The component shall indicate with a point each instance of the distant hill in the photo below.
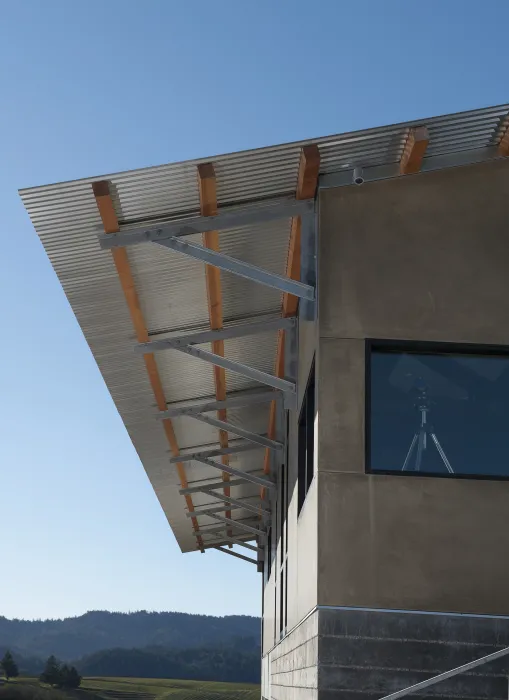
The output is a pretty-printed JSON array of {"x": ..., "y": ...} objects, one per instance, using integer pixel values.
[
  {"x": 77, "y": 637},
  {"x": 218, "y": 664}
]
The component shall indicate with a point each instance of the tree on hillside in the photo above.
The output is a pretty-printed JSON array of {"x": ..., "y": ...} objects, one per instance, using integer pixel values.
[
  {"x": 69, "y": 677},
  {"x": 51, "y": 673},
  {"x": 9, "y": 666}
]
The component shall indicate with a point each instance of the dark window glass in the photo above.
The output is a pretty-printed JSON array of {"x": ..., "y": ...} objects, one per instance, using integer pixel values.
[
  {"x": 269, "y": 552},
  {"x": 439, "y": 410},
  {"x": 281, "y": 602},
  {"x": 306, "y": 439}
]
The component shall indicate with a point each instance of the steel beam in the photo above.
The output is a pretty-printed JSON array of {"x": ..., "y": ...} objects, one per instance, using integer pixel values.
[
  {"x": 246, "y": 215},
  {"x": 239, "y": 368},
  {"x": 216, "y": 485},
  {"x": 242, "y": 526},
  {"x": 236, "y": 430},
  {"x": 247, "y": 476},
  {"x": 206, "y": 511},
  {"x": 239, "y": 331},
  {"x": 234, "y": 540},
  {"x": 240, "y": 268},
  {"x": 222, "y": 528},
  {"x": 448, "y": 674},
  {"x": 221, "y": 507},
  {"x": 188, "y": 457},
  {"x": 258, "y": 508},
  {"x": 231, "y": 402},
  {"x": 236, "y": 554}
]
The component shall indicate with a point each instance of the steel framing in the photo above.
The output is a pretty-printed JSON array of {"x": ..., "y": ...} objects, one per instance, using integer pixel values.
[
  {"x": 239, "y": 368},
  {"x": 234, "y": 540},
  {"x": 247, "y": 476},
  {"x": 171, "y": 234},
  {"x": 246, "y": 399},
  {"x": 207, "y": 510},
  {"x": 218, "y": 452},
  {"x": 259, "y": 508},
  {"x": 245, "y": 215},
  {"x": 240, "y": 268},
  {"x": 233, "y": 504},
  {"x": 216, "y": 485},
  {"x": 238, "y": 523},
  {"x": 239, "y": 331},
  {"x": 237, "y": 430},
  {"x": 236, "y": 554},
  {"x": 201, "y": 532}
]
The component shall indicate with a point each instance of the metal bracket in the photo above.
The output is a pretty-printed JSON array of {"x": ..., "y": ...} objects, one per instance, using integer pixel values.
[
  {"x": 259, "y": 508},
  {"x": 190, "y": 456},
  {"x": 240, "y": 268},
  {"x": 245, "y": 215},
  {"x": 234, "y": 401},
  {"x": 242, "y": 526},
  {"x": 215, "y": 485},
  {"x": 236, "y": 554},
  {"x": 239, "y": 368},
  {"x": 239, "y": 331},
  {"x": 223, "y": 528},
  {"x": 234, "y": 540},
  {"x": 236, "y": 430},
  {"x": 233, "y": 505},
  {"x": 247, "y": 476}
]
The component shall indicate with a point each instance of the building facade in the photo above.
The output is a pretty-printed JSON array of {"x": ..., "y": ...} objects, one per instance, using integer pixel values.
[
  {"x": 308, "y": 347},
  {"x": 389, "y": 564}
]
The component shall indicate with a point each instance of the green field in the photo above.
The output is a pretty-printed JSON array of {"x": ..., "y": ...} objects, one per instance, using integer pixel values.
[
  {"x": 157, "y": 689},
  {"x": 149, "y": 689}
]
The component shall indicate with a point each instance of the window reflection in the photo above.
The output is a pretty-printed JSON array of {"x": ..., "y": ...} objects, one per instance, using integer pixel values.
[{"x": 439, "y": 412}]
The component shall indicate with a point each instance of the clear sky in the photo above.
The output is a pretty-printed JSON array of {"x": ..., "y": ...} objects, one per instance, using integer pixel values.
[{"x": 104, "y": 85}]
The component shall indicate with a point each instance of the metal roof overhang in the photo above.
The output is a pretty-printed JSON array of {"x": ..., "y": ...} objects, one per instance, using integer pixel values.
[{"x": 191, "y": 436}]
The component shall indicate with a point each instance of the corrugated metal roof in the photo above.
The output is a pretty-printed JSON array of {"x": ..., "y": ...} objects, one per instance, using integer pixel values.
[{"x": 172, "y": 288}]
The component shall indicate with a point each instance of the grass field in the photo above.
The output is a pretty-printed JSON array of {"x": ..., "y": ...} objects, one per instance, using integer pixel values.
[{"x": 156, "y": 689}]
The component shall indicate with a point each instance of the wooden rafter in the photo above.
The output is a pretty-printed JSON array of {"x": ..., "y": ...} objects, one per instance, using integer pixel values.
[
  {"x": 503, "y": 144},
  {"x": 208, "y": 207},
  {"x": 110, "y": 222},
  {"x": 414, "y": 150},
  {"x": 307, "y": 183}
]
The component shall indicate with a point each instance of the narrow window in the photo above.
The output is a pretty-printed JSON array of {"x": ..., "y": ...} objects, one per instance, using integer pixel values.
[{"x": 306, "y": 440}]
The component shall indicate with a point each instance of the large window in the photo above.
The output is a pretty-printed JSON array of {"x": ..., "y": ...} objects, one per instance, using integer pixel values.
[
  {"x": 306, "y": 439},
  {"x": 438, "y": 409}
]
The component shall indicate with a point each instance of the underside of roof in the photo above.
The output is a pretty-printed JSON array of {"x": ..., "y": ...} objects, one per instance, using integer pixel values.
[{"x": 148, "y": 292}]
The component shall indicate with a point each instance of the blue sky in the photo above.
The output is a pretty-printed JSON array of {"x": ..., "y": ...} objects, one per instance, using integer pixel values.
[{"x": 95, "y": 87}]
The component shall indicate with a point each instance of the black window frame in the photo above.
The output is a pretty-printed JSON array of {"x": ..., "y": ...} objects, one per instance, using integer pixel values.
[
  {"x": 306, "y": 435},
  {"x": 421, "y": 347},
  {"x": 283, "y": 505}
]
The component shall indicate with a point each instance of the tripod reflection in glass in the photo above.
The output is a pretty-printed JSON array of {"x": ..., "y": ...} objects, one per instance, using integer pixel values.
[{"x": 420, "y": 438}]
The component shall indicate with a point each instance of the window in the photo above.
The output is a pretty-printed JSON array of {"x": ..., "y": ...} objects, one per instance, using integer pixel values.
[
  {"x": 438, "y": 409},
  {"x": 283, "y": 533},
  {"x": 306, "y": 440}
]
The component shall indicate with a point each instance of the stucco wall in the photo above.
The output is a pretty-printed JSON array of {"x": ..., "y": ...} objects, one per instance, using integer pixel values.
[{"x": 427, "y": 258}]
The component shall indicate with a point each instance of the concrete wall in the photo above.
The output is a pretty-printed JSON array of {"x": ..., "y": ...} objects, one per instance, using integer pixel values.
[
  {"x": 427, "y": 258},
  {"x": 302, "y": 529},
  {"x": 293, "y": 665},
  {"x": 364, "y": 655}
]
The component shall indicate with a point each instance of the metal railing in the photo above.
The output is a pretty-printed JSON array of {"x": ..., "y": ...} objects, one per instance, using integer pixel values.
[{"x": 448, "y": 674}]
